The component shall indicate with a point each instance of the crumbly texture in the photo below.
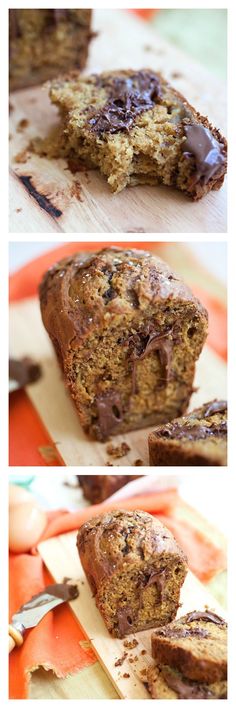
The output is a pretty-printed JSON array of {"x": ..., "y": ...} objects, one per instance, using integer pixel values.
[
  {"x": 127, "y": 332},
  {"x": 196, "y": 645},
  {"x": 118, "y": 451},
  {"x": 98, "y": 487},
  {"x": 136, "y": 129},
  {"x": 135, "y": 570},
  {"x": 45, "y": 42},
  {"x": 167, "y": 683},
  {"x": 199, "y": 438}
]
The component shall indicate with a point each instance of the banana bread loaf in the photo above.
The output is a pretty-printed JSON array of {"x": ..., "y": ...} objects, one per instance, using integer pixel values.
[
  {"x": 98, "y": 487},
  {"x": 199, "y": 438},
  {"x": 167, "y": 683},
  {"x": 127, "y": 333},
  {"x": 45, "y": 42},
  {"x": 136, "y": 129},
  {"x": 195, "y": 644},
  {"x": 135, "y": 570}
]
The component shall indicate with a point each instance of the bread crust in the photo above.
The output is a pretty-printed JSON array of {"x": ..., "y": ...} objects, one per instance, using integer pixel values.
[
  {"x": 122, "y": 544},
  {"x": 135, "y": 295},
  {"x": 197, "y": 648}
]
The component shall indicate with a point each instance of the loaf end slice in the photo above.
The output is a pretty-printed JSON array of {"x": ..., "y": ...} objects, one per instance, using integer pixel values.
[
  {"x": 199, "y": 438},
  {"x": 195, "y": 644},
  {"x": 135, "y": 570},
  {"x": 167, "y": 683}
]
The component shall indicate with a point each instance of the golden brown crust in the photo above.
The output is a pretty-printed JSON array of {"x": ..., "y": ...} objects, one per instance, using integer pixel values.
[
  {"x": 108, "y": 316},
  {"x": 134, "y": 567}
]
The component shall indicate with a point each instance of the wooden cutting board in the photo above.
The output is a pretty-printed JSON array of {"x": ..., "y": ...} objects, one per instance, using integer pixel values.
[
  {"x": 61, "y": 202},
  {"x": 54, "y": 404},
  {"x": 62, "y": 560}
]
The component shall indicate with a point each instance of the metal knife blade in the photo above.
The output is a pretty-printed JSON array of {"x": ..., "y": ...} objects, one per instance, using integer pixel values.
[{"x": 33, "y": 611}]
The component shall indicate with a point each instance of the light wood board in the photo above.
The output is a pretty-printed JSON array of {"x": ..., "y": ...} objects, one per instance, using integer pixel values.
[
  {"x": 55, "y": 406},
  {"x": 123, "y": 41},
  {"x": 61, "y": 558}
]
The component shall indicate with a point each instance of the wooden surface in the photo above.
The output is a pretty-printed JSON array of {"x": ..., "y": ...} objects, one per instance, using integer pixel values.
[
  {"x": 61, "y": 558},
  {"x": 54, "y": 404},
  {"x": 123, "y": 41}
]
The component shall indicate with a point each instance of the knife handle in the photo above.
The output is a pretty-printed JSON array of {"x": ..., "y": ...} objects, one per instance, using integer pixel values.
[{"x": 15, "y": 638}]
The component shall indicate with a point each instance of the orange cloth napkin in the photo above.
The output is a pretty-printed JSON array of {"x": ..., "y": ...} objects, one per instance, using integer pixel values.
[{"x": 56, "y": 642}]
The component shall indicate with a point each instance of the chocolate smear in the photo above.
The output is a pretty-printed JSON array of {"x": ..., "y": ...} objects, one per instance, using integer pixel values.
[
  {"x": 125, "y": 620},
  {"x": 206, "y": 150},
  {"x": 176, "y": 431},
  {"x": 128, "y": 97},
  {"x": 110, "y": 412},
  {"x": 215, "y": 407},
  {"x": 205, "y": 617},
  {"x": 185, "y": 689},
  {"x": 64, "y": 591},
  {"x": 156, "y": 342},
  {"x": 24, "y": 371}
]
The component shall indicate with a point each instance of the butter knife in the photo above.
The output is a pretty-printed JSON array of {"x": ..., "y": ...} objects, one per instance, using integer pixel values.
[{"x": 33, "y": 611}]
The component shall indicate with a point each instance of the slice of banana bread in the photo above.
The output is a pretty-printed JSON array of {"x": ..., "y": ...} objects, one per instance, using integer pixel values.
[
  {"x": 199, "y": 438},
  {"x": 98, "y": 487},
  {"x": 136, "y": 129},
  {"x": 135, "y": 570},
  {"x": 167, "y": 683},
  {"x": 195, "y": 644},
  {"x": 127, "y": 333},
  {"x": 43, "y": 43}
]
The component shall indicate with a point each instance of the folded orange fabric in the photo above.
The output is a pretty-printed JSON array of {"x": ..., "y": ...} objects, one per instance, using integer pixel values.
[
  {"x": 204, "y": 558},
  {"x": 56, "y": 642}
]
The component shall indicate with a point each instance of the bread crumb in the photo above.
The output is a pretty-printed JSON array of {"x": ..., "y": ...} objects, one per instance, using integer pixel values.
[
  {"x": 143, "y": 652},
  {"x": 23, "y": 123},
  {"x": 121, "y": 660},
  {"x": 130, "y": 644},
  {"x": 109, "y": 464},
  {"x": 126, "y": 675},
  {"x": 117, "y": 451},
  {"x": 138, "y": 463},
  {"x": 76, "y": 191},
  {"x": 22, "y": 156}
]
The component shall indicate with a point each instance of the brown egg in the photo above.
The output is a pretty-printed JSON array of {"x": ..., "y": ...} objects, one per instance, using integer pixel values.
[
  {"x": 18, "y": 495},
  {"x": 26, "y": 524}
]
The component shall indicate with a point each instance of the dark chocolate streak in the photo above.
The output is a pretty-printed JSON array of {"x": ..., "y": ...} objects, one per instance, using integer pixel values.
[
  {"x": 215, "y": 407},
  {"x": 109, "y": 410},
  {"x": 43, "y": 202},
  {"x": 24, "y": 371},
  {"x": 192, "y": 432},
  {"x": 64, "y": 591},
  {"x": 207, "y": 152},
  {"x": 128, "y": 97},
  {"x": 186, "y": 689},
  {"x": 155, "y": 342},
  {"x": 204, "y": 617}
]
